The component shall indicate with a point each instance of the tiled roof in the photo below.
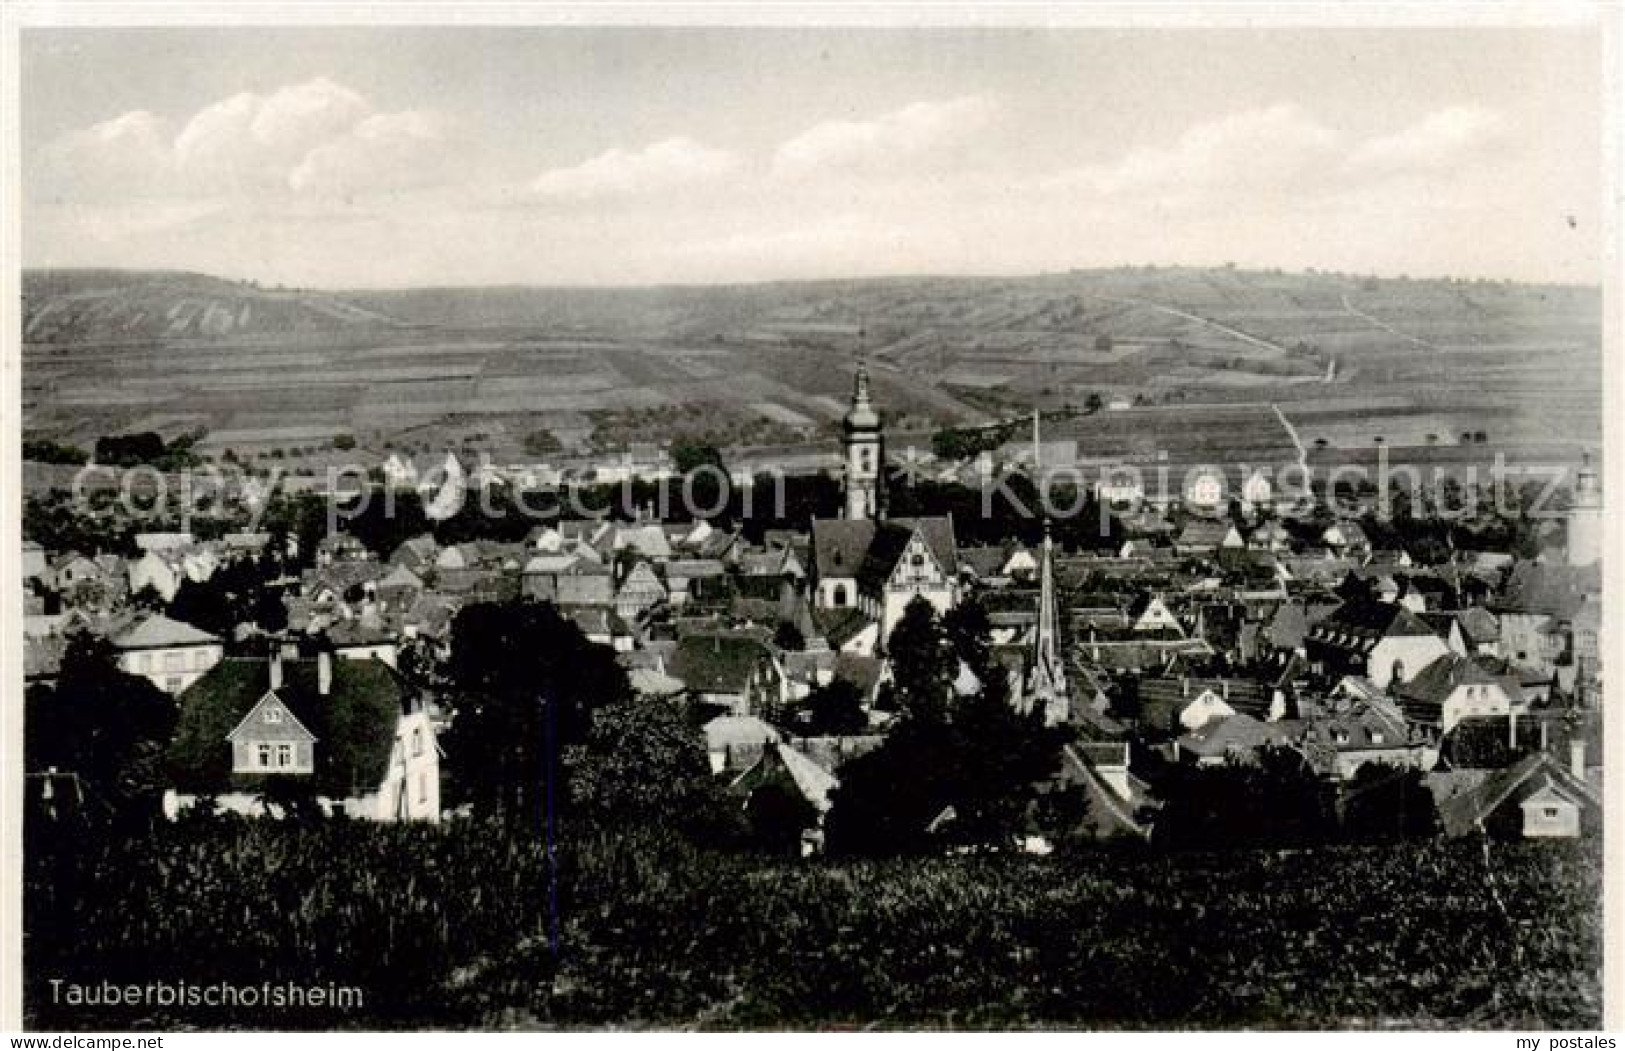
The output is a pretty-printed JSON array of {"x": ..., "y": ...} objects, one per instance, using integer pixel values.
[
  {"x": 717, "y": 663},
  {"x": 839, "y": 626},
  {"x": 400, "y": 577},
  {"x": 1161, "y": 698},
  {"x": 741, "y": 737},
  {"x": 356, "y": 633},
  {"x": 845, "y": 548},
  {"x": 1371, "y": 619},
  {"x": 862, "y": 672},
  {"x": 1479, "y": 625},
  {"x": 1237, "y": 734},
  {"x": 596, "y": 620},
  {"x": 833, "y": 752},
  {"x": 1555, "y": 590},
  {"x": 890, "y": 540},
  {"x": 1464, "y": 804},
  {"x": 158, "y": 631},
  {"x": 983, "y": 561},
  {"x": 840, "y": 545},
  {"x": 354, "y": 724},
  {"x": 1203, "y": 532},
  {"x": 693, "y": 568},
  {"x": 1433, "y": 685},
  {"x": 782, "y": 764}
]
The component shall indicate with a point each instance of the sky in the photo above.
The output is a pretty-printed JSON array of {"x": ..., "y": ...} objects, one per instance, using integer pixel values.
[{"x": 378, "y": 157}]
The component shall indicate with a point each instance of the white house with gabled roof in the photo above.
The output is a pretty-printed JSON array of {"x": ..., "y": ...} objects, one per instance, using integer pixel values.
[{"x": 171, "y": 654}]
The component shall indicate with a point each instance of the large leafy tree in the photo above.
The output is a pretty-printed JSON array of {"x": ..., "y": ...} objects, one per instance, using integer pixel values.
[
  {"x": 890, "y": 798},
  {"x": 297, "y": 517},
  {"x": 643, "y": 762},
  {"x": 692, "y": 454},
  {"x": 923, "y": 663},
  {"x": 969, "y": 632},
  {"x": 959, "y": 768},
  {"x": 206, "y": 606},
  {"x": 1384, "y": 802},
  {"x": 1002, "y": 755},
  {"x": 388, "y": 519},
  {"x": 237, "y": 593},
  {"x": 109, "y": 727},
  {"x": 524, "y": 683},
  {"x": 836, "y": 708},
  {"x": 1274, "y": 800}
]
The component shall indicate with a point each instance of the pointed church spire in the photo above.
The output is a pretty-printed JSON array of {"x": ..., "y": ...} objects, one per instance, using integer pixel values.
[{"x": 1048, "y": 670}]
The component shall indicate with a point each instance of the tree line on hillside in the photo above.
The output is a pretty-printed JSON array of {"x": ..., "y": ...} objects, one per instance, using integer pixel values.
[{"x": 148, "y": 449}]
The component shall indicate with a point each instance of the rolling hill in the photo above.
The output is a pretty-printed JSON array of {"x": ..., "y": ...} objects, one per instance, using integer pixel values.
[
  {"x": 111, "y": 306},
  {"x": 1354, "y": 361}
]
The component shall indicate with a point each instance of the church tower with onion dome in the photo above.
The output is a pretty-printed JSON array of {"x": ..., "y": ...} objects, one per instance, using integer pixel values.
[{"x": 862, "y": 443}]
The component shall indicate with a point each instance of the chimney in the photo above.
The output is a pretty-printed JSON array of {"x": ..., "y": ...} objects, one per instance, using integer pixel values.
[
  {"x": 276, "y": 670},
  {"x": 1226, "y": 685},
  {"x": 1512, "y": 728},
  {"x": 1577, "y": 757},
  {"x": 1544, "y": 747},
  {"x": 1184, "y": 686},
  {"x": 324, "y": 673}
]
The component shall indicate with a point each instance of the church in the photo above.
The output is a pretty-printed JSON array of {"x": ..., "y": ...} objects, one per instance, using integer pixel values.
[{"x": 865, "y": 560}]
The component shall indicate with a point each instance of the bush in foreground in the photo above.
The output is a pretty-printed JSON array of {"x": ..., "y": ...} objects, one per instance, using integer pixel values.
[{"x": 453, "y": 926}]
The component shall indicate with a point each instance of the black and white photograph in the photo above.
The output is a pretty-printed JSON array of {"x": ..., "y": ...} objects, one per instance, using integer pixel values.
[{"x": 670, "y": 519}]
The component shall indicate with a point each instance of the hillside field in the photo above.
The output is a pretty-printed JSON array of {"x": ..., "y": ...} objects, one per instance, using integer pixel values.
[{"x": 1414, "y": 363}]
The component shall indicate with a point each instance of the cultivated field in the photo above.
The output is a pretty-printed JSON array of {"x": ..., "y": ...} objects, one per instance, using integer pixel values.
[{"x": 1349, "y": 360}]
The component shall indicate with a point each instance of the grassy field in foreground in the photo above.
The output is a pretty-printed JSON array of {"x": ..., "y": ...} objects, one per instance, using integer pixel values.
[{"x": 450, "y": 927}]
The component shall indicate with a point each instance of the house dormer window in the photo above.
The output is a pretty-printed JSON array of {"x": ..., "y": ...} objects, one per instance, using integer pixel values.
[
  {"x": 1376, "y": 737},
  {"x": 272, "y": 715}
]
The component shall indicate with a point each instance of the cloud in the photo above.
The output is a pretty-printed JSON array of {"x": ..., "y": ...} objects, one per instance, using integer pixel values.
[
  {"x": 313, "y": 137},
  {"x": 128, "y": 155},
  {"x": 1280, "y": 150},
  {"x": 258, "y": 138},
  {"x": 922, "y": 130},
  {"x": 300, "y": 116},
  {"x": 385, "y": 151},
  {"x": 671, "y": 164},
  {"x": 1436, "y": 142},
  {"x": 1253, "y": 148}
]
